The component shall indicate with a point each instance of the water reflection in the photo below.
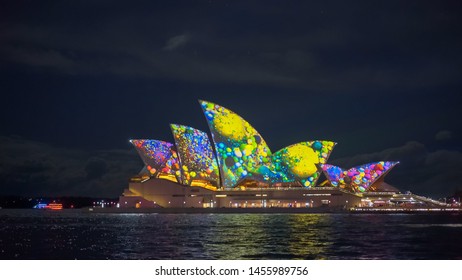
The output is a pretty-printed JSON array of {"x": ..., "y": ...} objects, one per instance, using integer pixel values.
[
  {"x": 309, "y": 238},
  {"x": 75, "y": 235}
]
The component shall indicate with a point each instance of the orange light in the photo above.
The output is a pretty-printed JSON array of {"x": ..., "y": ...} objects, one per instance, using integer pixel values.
[{"x": 54, "y": 206}]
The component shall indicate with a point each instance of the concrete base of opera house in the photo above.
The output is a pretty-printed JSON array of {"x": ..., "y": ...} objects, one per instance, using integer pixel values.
[{"x": 164, "y": 194}]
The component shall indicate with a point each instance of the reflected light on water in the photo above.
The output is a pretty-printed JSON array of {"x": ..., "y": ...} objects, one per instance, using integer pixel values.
[
  {"x": 31, "y": 234},
  {"x": 256, "y": 236}
]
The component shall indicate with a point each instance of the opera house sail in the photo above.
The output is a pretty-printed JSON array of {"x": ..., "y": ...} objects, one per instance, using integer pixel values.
[
  {"x": 357, "y": 179},
  {"x": 198, "y": 162},
  {"x": 299, "y": 162},
  {"x": 241, "y": 150},
  {"x": 159, "y": 157},
  {"x": 234, "y": 167}
]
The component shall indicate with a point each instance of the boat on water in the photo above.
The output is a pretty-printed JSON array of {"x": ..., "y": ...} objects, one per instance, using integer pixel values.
[
  {"x": 50, "y": 206},
  {"x": 54, "y": 206}
]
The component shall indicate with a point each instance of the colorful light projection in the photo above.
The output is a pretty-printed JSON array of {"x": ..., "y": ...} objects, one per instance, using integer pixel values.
[
  {"x": 243, "y": 154},
  {"x": 196, "y": 156},
  {"x": 158, "y": 156},
  {"x": 241, "y": 150},
  {"x": 298, "y": 162},
  {"x": 357, "y": 179},
  {"x": 172, "y": 166}
]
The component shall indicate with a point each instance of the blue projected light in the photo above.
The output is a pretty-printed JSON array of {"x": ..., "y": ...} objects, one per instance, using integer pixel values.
[{"x": 196, "y": 156}]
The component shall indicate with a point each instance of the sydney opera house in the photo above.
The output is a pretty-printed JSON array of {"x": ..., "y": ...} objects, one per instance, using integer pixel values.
[{"x": 235, "y": 168}]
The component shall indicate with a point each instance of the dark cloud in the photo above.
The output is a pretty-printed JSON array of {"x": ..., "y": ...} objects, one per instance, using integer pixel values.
[
  {"x": 443, "y": 135},
  {"x": 95, "y": 168},
  {"x": 176, "y": 42},
  {"x": 412, "y": 152},
  {"x": 333, "y": 47},
  {"x": 33, "y": 168}
]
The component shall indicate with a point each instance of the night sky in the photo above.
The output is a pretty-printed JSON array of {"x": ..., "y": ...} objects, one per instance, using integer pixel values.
[{"x": 78, "y": 79}]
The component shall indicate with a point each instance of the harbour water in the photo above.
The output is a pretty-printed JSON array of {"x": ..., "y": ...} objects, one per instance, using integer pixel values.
[{"x": 75, "y": 234}]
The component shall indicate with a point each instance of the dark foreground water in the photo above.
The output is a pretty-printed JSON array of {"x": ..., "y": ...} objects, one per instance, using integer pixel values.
[{"x": 73, "y": 234}]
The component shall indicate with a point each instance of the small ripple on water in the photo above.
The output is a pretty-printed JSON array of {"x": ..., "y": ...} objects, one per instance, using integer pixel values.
[{"x": 432, "y": 225}]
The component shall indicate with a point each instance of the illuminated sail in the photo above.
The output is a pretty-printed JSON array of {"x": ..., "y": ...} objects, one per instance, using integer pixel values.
[
  {"x": 241, "y": 150},
  {"x": 158, "y": 156},
  {"x": 359, "y": 178},
  {"x": 299, "y": 162},
  {"x": 198, "y": 162}
]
